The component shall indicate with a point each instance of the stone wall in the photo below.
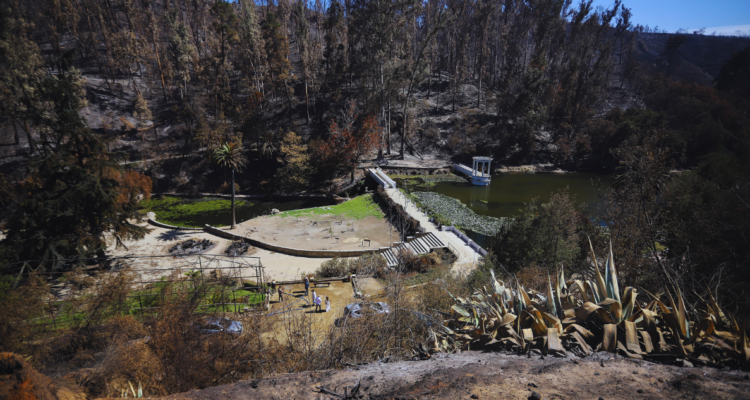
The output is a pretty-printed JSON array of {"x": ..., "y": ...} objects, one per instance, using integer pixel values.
[
  {"x": 172, "y": 227},
  {"x": 286, "y": 250},
  {"x": 412, "y": 225}
]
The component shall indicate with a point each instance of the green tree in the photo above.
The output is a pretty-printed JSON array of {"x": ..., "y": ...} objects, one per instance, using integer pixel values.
[
  {"x": 229, "y": 155},
  {"x": 546, "y": 234}
]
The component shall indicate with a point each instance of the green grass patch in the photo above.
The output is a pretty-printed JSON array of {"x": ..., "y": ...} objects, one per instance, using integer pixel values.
[
  {"x": 145, "y": 302},
  {"x": 182, "y": 212},
  {"x": 425, "y": 180},
  {"x": 357, "y": 208}
]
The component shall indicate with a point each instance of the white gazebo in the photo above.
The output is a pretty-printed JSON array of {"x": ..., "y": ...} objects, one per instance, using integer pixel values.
[{"x": 479, "y": 173}]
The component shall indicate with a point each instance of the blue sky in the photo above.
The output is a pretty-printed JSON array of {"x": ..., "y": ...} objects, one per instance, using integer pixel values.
[{"x": 714, "y": 15}]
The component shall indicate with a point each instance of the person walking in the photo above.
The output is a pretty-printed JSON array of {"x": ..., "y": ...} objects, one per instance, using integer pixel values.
[
  {"x": 317, "y": 303},
  {"x": 281, "y": 294},
  {"x": 307, "y": 285},
  {"x": 313, "y": 296},
  {"x": 328, "y": 304}
]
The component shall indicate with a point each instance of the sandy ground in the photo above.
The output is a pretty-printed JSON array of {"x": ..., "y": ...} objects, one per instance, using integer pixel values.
[
  {"x": 320, "y": 232},
  {"x": 159, "y": 240},
  {"x": 476, "y": 375},
  {"x": 296, "y": 304}
]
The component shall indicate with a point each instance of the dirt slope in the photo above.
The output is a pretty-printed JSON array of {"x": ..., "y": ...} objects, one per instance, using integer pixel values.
[{"x": 492, "y": 376}]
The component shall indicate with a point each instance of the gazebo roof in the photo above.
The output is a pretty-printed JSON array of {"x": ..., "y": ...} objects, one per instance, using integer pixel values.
[{"x": 480, "y": 158}]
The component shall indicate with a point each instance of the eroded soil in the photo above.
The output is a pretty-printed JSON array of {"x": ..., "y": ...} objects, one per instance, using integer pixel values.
[{"x": 495, "y": 376}]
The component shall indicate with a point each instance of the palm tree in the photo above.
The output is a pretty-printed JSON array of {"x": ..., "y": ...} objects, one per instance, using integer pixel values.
[{"x": 229, "y": 155}]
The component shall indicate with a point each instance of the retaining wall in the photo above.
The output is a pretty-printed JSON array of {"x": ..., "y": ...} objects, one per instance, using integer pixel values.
[
  {"x": 172, "y": 227},
  {"x": 466, "y": 239},
  {"x": 412, "y": 225},
  {"x": 286, "y": 250}
]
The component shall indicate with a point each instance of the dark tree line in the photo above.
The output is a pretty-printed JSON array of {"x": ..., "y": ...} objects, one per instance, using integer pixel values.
[{"x": 536, "y": 65}]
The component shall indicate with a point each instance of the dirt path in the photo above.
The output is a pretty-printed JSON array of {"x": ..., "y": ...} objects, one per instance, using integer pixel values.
[{"x": 497, "y": 376}]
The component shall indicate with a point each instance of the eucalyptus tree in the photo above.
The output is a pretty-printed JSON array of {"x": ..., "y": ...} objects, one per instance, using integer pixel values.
[{"x": 230, "y": 155}]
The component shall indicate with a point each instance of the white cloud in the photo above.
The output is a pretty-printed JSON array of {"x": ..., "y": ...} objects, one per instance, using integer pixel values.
[{"x": 743, "y": 30}]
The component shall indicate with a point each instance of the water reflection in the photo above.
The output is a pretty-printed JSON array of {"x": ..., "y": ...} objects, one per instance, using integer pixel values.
[{"x": 506, "y": 195}]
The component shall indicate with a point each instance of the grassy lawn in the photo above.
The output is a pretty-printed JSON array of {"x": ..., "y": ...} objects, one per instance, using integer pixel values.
[
  {"x": 176, "y": 211},
  {"x": 357, "y": 208}
]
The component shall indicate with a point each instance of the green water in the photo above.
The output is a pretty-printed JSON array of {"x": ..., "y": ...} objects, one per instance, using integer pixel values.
[{"x": 507, "y": 193}]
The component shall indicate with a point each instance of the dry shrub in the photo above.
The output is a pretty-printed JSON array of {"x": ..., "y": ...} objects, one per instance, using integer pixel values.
[
  {"x": 20, "y": 381},
  {"x": 190, "y": 359},
  {"x": 124, "y": 362},
  {"x": 534, "y": 277},
  {"x": 365, "y": 265},
  {"x": 423, "y": 263},
  {"x": 378, "y": 336},
  {"x": 16, "y": 307}
]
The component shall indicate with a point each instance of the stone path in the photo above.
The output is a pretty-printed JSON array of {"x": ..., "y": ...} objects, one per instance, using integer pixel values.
[{"x": 467, "y": 257}]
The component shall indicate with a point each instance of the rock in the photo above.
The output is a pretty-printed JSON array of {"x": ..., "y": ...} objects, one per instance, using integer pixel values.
[
  {"x": 535, "y": 396},
  {"x": 473, "y": 396},
  {"x": 534, "y": 385},
  {"x": 687, "y": 364},
  {"x": 275, "y": 211}
]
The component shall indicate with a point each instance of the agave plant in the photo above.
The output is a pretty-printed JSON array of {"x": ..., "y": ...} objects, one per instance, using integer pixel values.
[{"x": 588, "y": 316}]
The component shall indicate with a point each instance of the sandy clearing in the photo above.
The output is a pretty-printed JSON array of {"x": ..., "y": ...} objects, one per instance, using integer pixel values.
[
  {"x": 159, "y": 240},
  {"x": 320, "y": 232}
]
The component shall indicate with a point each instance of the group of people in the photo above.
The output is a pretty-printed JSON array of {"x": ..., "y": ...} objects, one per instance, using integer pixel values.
[{"x": 317, "y": 300}]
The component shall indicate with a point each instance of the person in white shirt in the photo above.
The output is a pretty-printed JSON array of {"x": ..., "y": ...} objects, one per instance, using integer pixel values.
[
  {"x": 328, "y": 304},
  {"x": 317, "y": 303}
]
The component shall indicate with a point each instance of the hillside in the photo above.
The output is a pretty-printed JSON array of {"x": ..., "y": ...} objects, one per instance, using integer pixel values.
[{"x": 478, "y": 375}]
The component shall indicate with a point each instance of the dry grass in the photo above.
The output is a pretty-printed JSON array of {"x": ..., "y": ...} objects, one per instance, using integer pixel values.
[{"x": 106, "y": 350}]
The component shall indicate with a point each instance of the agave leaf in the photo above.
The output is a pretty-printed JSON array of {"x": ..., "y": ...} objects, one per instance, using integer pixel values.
[
  {"x": 498, "y": 287},
  {"x": 581, "y": 289},
  {"x": 677, "y": 317},
  {"x": 628, "y": 302},
  {"x": 561, "y": 280},
  {"x": 595, "y": 297},
  {"x": 461, "y": 311},
  {"x": 551, "y": 306},
  {"x": 131, "y": 389},
  {"x": 526, "y": 298},
  {"x": 610, "y": 338},
  {"x": 682, "y": 315},
  {"x": 599, "y": 280},
  {"x": 520, "y": 300},
  {"x": 613, "y": 290}
]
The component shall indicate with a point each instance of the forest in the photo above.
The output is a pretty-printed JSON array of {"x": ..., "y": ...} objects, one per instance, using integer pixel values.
[{"x": 104, "y": 102}]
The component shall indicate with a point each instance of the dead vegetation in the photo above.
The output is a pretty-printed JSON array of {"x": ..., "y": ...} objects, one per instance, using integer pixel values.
[
  {"x": 105, "y": 351},
  {"x": 586, "y": 316}
]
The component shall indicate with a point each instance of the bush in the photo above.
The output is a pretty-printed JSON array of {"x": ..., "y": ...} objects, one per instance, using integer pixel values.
[{"x": 366, "y": 265}]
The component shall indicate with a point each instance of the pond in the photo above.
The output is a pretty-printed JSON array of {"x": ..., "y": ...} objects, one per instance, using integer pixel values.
[
  {"x": 507, "y": 193},
  {"x": 218, "y": 211}
]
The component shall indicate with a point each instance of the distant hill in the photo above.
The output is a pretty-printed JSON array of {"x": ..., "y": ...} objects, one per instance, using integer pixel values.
[{"x": 699, "y": 60}]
